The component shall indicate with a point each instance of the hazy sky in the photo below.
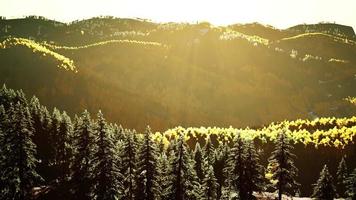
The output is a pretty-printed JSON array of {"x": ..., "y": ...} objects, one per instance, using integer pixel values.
[{"x": 279, "y": 13}]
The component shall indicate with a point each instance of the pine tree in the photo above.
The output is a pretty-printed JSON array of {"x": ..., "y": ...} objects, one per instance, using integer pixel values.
[
  {"x": 105, "y": 170},
  {"x": 235, "y": 167},
  {"x": 324, "y": 188},
  {"x": 209, "y": 151},
  {"x": 146, "y": 169},
  {"x": 82, "y": 177},
  {"x": 184, "y": 178},
  {"x": 54, "y": 135},
  {"x": 199, "y": 162},
  {"x": 3, "y": 145},
  {"x": 351, "y": 185},
  {"x": 281, "y": 166},
  {"x": 220, "y": 163},
  {"x": 253, "y": 171},
  {"x": 18, "y": 162},
  {"x": 64, "y": 146},
  {"x": 209, "y": 183},
  {"x": 341, "y": 176},
  {"x": 163, "y": 182},
  {"x": 41, "y": 123},
  {"x": 128, "y": 167}
]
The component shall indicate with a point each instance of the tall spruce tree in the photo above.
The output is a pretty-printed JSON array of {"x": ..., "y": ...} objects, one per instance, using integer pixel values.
[
  {"x": 105, "y": 169},
  {"x": 209, "y": 183},
  {"x": 324, "y": 188},
  {"x": 163, "y": 182},
  {"x": 281, "y": 167},
  {"x": 64, "y": 146},
  {"x": 82, "y": 174},
  {"x": 18, "y": 162},
  {"x": 199, "y": 162},
  {"x": 3, "y": 145},
  {"x": 128, "y": 167},
  {"x": 253, "y": 171},
  {"x": 341, "y": 176},
  {"x": 184, "y": 178},
  {"x": 41, "y": 123},
  {"x": 235, "y": 167},
  {"x": 147, "y": 168},
  {"x": 220, "y": 163},
  {"x": 351, "y": 185}
]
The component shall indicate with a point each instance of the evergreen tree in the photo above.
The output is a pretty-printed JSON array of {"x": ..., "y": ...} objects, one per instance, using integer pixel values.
[
  {"x": 235, "y": 167},
  {"x": 146, "y": 168},
  {"x": 220, "y": 163},
  {"x": 3, "y": 145},
  {"x": 18, "y": 162},
  {"x": 351, "y": 185},
  {"x": 209, "y": 152},
  {"x": 199, "y": 162},
  {"x": 129, "y": 168},
  {"x": 209, "y": 183},
  {"x": 324, "y": 188},
  {"x": 41, "y": 123},
  {"x": 184, "y": 178},
  {"x": 163, "y": 183},
  {"x": 281, "y": 166},
  {"x": 64, "y": 146},
  {"x": 341, "y": 176},
  {"x": 252, "y": 171},
  {"x": 105, "y": 170},
  {"x": 54, "y": 135},
  {"x": 82, "y": 177}
]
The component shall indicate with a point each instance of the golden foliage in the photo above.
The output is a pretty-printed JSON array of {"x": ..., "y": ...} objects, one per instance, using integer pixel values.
[
  {"x": 133, "y": 42},
  {"x": 334, "y": 132},
  {"x": 64, "y": 62}
]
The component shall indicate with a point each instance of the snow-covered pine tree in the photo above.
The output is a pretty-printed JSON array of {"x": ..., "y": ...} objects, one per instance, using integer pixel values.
[
  {"x": 341, "y": 176},
  {"x": 184, "y": 178},
  {"x": 235, "y": 167},
  {"x": 82, "y": 175},
  {"x": 351, "y": 185},
  {"x": 128, "y": 167},
  {"x": 324, "y": 188},
  {"x": 281, "y": 168},
  {"x": 147, "y": 168},
  {"x": 18, "y": 162},
  {"x": 163, "y": 182},
  {"x": 253, "y": 171},
  {"x": 105, "y": 170}
]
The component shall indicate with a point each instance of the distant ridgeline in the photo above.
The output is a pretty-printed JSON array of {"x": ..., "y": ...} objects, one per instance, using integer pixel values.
[
  {"x": 179, "y": 74},
  {"x": 329, "y": 28}
]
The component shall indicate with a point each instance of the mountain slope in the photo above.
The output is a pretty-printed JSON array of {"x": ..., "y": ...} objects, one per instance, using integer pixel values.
[{"x": 173, "y": 74}]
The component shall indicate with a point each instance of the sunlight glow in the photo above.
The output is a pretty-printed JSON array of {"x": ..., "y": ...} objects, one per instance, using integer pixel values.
[{"x": 279, "y": 13}]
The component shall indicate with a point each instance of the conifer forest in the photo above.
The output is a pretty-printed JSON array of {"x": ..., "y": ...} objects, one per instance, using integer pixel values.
[{"x": 190, "y": 100}]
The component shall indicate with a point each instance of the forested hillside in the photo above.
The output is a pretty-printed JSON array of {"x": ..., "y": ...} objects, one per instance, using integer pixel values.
[
  {"x": 51, "y": 155},
  {"x": 176, "y": 74}
]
